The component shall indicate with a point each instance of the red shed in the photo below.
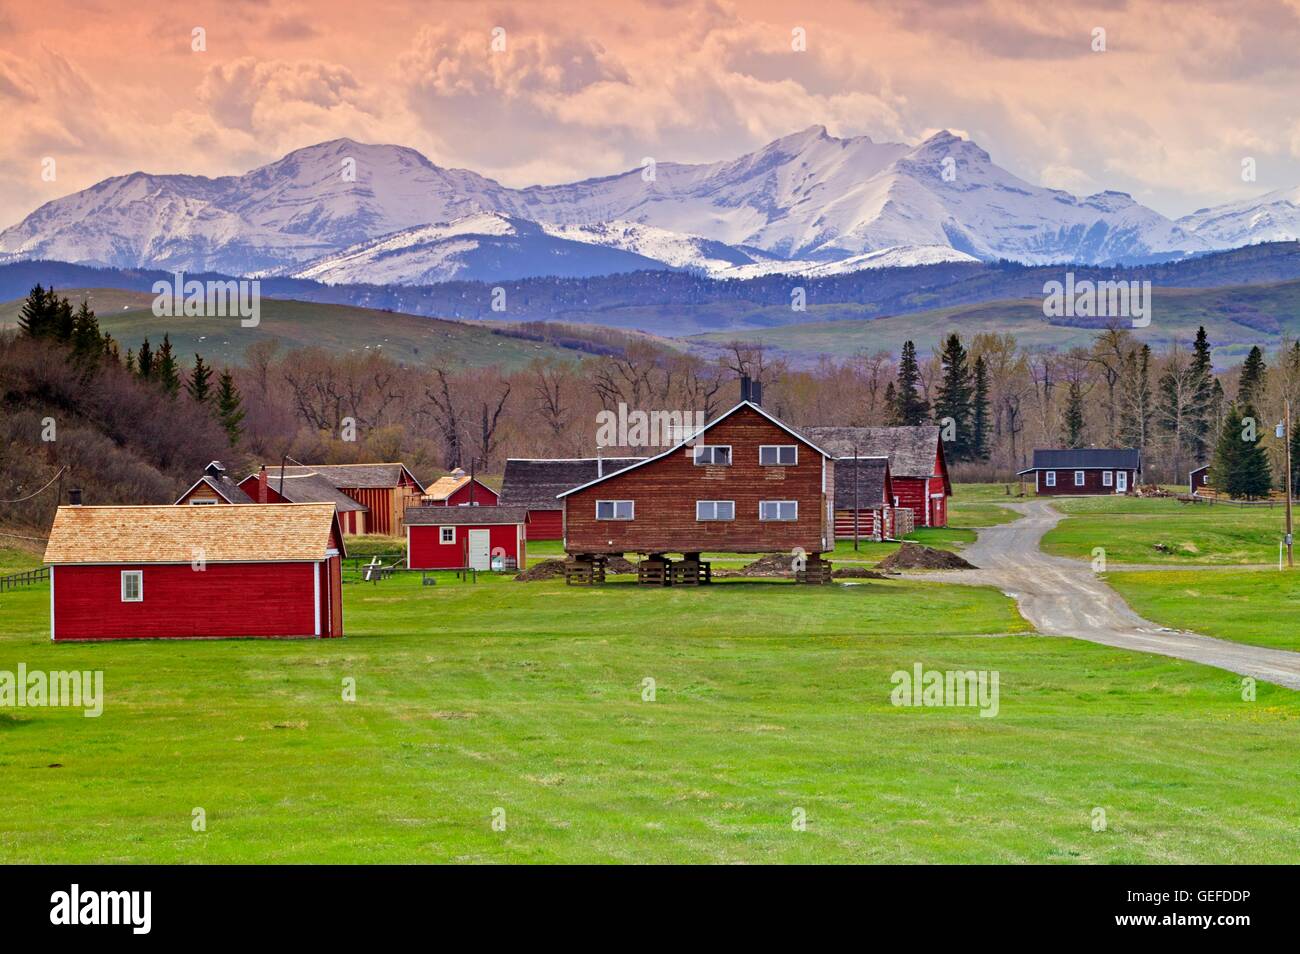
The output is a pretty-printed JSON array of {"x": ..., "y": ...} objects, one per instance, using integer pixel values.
[
  {"x": 257, "y": 570},
  {"x": 917, "y": 468},
  {"x": 448, "y": 538},
  {"x": 459, "y": 489}
]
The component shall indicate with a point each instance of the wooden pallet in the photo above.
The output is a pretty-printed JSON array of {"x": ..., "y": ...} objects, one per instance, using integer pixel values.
[
  {"x": 655, "y": 571},
  {"x": 691, "y": 573},
  {"x": 584, "y": 572},
  {"x": 815, "y": 571}
]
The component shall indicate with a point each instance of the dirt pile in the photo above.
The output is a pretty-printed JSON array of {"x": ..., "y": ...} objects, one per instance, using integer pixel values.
[
  {"x": 545, "y": 570},
  {"x": 914, "y": 556},
  {"x": 856, "y": 573}
]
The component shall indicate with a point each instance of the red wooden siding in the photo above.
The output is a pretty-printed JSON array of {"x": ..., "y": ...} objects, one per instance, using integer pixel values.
[
  {"x": 545, "y": 525},
  {"x": 223, "y": 600},
  {"x": 665, "y": 491},
  {"x": 426, "y": 552},
  {"x": 1092, "y": 482},
  {"x": 483, "y": 496}
]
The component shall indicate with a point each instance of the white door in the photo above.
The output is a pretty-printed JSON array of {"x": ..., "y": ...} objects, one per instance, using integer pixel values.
[
  {"x": 480, "y": 549},
  {"x": 1121, "y": 481}
]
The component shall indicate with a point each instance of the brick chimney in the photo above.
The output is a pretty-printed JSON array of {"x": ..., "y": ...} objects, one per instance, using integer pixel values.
[{"x": 261, "y": 485}]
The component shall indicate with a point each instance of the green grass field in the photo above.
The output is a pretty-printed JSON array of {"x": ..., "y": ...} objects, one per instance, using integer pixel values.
[
  {"x": 528, "y": 698},
  {"x": 1165, "y": 531},
  {"x": 1247, "y": 606},
  {"x": 128, "y": 316}
]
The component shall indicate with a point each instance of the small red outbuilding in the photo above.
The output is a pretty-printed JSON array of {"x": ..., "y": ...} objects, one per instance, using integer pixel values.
[
  {"x": 449, "y": 538},
  {"x": 258, "y": 570}
]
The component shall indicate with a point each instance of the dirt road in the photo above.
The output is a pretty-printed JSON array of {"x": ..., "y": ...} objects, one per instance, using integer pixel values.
[{"x": 1063, "y": 597}]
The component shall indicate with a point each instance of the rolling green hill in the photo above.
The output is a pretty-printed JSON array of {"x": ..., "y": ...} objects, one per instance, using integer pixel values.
[
  {"x": 127, "y": 315},
  {"x": 1235, "y": 318}
]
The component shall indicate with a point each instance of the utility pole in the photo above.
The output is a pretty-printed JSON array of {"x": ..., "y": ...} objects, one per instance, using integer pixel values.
[
  {"x": 855, "y": 497},
  {"x": 1284, "y": 431}
]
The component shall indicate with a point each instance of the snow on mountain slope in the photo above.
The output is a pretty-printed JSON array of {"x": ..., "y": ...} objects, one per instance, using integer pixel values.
[
  {"x": 902, "y": 256},
  {"x": 1274, "y": 217},
  {"x": 479, "y": 247},
  {"x": 807, "y": 197}
]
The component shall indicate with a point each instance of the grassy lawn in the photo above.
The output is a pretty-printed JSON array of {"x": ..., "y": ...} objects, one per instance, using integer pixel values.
[
  {"x": 1162, "y": 531},
  {"x": 528, "y": 698},
  {"x": 1248, "y": 606}
]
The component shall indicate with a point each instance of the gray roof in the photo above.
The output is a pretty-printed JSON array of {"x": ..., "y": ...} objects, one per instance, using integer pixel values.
[
  {"x": 439, "y": 516},
  {"x": 226, "y": 489},
  {"x": 912, "y": 451},
  {"x": 870, "y": 475},
  {"x": 310, "y": 488},
  {"x": 1085, "y": 458},
  {"x": 535, "y": 483},
  {"x": 368, "y": 476}
]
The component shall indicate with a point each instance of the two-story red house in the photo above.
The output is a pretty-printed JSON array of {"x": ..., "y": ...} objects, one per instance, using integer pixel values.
[{"x": 745, "y": 483}]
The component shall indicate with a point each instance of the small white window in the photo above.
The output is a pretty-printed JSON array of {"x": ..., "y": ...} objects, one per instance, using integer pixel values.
[
  {"x": 1107, "y": 478},
  {"x": 447, "y": 535},
  {"x": 1051, "y": 478},
  {"x": 778, "y": 455},
  {"x": 615, "y": 509},
  {"x": 715, "y": 510},
  {"x": 1078, "y": 478},
  {"x": 717, "y": 455},
  {"x": 201, "y": 501},
  {"x": 778, "y": 510},
  {"x": 132, "y": 586}
]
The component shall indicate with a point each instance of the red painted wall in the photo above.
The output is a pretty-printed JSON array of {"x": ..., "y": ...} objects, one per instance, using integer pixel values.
[
  {"x": 426, "y": 553},
  {"x": 483, "y": 496},
  {"x": 1092, "y": 483},
  {"x": 223, "y": 600},
  {"x": 545, "y": 525}
]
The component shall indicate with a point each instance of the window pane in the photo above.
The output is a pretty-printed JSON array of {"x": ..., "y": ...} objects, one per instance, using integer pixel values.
[
  {"x": 767, "y": 456},
  {"x": 701, "y": 455},
  {"x": 623, "y": 509},
  {"x": 789, "y": 510},
  {"x": 604, "y": 510},
  {"x": 726, "y": 510},
  {"x": 789, "y": 454},
  {"x": 722, "y": 455}
]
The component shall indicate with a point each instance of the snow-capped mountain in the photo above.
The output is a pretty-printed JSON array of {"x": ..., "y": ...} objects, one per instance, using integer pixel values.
[
  {"x": 1274, "y": 217},
  {"x": 347, "y": 211},
  {"x": 484, "y": 246}
]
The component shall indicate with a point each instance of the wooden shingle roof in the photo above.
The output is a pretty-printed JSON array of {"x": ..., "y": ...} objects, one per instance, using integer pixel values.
[
  {"x": 360, "y": 476},
  {"x": 870, "y": 475},
  {"x": 460, "y": 516},
  {"x": 252, "y": 533},
  {"x": 310, "y": 487},
  {"x": 535, "y": 484},
  {"x": 912, "y": 451}
]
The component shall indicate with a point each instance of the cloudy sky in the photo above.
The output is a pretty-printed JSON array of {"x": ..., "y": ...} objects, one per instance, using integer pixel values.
[{"x": 1184, "y": 91}]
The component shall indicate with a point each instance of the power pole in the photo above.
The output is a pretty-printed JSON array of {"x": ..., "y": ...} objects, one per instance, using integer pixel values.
[
  {"x": 855, "y": 497},
  {"x": 1285, "y": 429}
]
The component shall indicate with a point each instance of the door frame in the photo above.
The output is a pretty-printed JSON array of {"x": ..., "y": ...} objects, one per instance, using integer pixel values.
[
  {"x": 1121, "y": 481},
  {"x": 469, "y": 548}
]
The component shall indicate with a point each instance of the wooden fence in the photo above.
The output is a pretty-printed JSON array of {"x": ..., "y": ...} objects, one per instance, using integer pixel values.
[{"x": 24, "y": 578}]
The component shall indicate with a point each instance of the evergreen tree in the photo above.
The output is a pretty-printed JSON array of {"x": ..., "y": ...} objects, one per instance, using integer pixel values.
[
  {"x": 166, "y": 371},
  {"x": 1251, "y": 386},
  {"x": 909, "y": 407},
  {"x": 891, "y": 401},
  {"x": 130, "y": 362},
  {"x": 1072, "y": 422},
  {"x": 199, "y": 386},
  {"x": 1240, "y": 467},
  {"x": 1201, "y": 408},
  {"x": 954, "y": 397},
  {"x": 111, "y": 352},
  {"x": 36, "y": 319},
  {"x": 144, "y": 361},
  {"x": 230, "y": 409},
  {"x": 64, "y": 321},
  {"x": 980, "y": 411},
  {"x": 87, "y": 342}
]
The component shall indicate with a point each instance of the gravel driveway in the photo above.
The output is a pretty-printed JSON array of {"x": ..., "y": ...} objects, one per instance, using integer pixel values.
[{"x": 1062, "y": 597}]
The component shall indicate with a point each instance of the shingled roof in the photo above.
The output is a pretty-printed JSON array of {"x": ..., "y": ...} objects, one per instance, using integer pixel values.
[
  {"x": 310, "y": 487},
  {"x": 361, "y": 476},
  {"x": 223, "y": 487},
  {"x": 449, "y": 516},
  {"x": 534, "y": 484},
  {"x": 254, "y": 533},
  {"x": 870, "y": 473},
  {"x": 1085, "y": 458},
  {"x": 912, "y": 451}
]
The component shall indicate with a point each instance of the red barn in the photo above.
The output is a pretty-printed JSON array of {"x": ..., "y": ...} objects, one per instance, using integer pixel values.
[
  {"x": 448, "y": 538},
  {"x": 536, "y": 485},
  {"x": 195, "y": 572},
  {"x": 214, "y": 487},
  {"x": 745, "y": 483},
  {"x": 1084, "y": 471},
  {"x": 306, "y": 487},
  {"x": 917, "y": 468},
  {"x": 385, "y": 490},
  {"x": 864, "y": 486},
  {"x": 459, "y": 489}
]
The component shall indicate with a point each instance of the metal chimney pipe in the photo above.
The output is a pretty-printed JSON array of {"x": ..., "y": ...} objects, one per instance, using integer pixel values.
[{"x": 74, "y": 496}]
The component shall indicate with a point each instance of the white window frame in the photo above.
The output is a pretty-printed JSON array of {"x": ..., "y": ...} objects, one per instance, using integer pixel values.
[
  {"x": 1080, "y": 478},
  {"x": 202, "y": 501},
  {"x": 631, "y": 509},
  {"x": 778, "y": 448},
  {"x": 1049, "y": 478},
  {"x": 442, "y": 535},
  {"x": 714, "y": 503},
  {"x": 138, "y": 576},
  {"x": 779, "y": 505},
  {"x": 1108, "y": 478},
  {"x": 712, "y": 449}
]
